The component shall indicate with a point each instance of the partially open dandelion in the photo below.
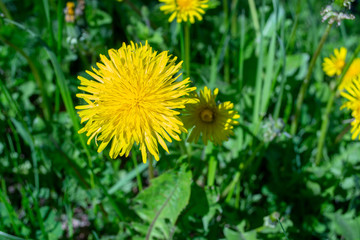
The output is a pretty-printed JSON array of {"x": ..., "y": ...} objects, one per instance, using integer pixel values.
[
  {"x": 214, "y": 121},
  {"x": 135, "y": 99},
  {"x": 352, "y": 94},
  {"x": 335, "y": 63},
  {"x": 184, "y": 10}
]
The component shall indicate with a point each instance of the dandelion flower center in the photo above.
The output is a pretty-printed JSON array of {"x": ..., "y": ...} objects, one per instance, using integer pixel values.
[
  {"x": 184, "y": 4},
  {"x": 207, "y": 116},
  {"x": 334, "y": 64},
  {"x": 184, "y": 10},
  {"x": 340, "y": 63}
]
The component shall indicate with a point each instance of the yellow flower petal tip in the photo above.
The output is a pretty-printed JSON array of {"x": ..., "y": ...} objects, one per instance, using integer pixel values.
[
  {"x": 207, "y": 118},
  {"x": 184, "y": 10},
  {"x": 352, "y": 94},
  {"x": 134, "y": 98}
]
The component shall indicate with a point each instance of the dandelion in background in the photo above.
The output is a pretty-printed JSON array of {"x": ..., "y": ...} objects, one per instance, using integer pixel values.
[
  {"x": 134, "y": 99},
  {"x": 215, "y": 122},
  {"x": 353, "y": 72},
  {"x": 352, "y": 94},
  {"x": 184, "y": 10},
  {"x": 335, "y": 63}
]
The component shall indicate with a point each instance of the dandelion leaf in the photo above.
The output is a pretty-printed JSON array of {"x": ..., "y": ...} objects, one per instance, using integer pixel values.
[{"x": 160, "y": 204}]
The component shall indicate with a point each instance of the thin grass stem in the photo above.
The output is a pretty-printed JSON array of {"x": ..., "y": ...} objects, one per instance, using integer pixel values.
[
  {"x": 151, "y": 167},
  {"x": 138, "y": 177},
  {"x": 211, "y": 171},
  {"x": 187, "y": 48},
  {"x": 306, "y": 82},
  {"x": 254, "y": 16}
]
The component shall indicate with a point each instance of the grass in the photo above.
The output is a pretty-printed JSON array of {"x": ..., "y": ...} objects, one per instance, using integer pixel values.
[{"x": 290, "y": 171}]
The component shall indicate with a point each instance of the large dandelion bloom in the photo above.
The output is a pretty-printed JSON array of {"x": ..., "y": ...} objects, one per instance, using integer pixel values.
[
  {"x": 214, "y": 121},
  {"x": 135, "y": 99},
  {"x": 184, "y": 10},
  {"x": 352, "y": 94},
  {"x": 336, "y": 63}
]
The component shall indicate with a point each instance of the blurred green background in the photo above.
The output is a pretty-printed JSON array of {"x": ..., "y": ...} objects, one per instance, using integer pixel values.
[{"x": 266, "y": 184}]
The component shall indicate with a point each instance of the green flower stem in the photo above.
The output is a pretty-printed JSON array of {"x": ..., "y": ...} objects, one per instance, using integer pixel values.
[
  {"x": 211, "y": 171},
  {"x": 182, "y": 41},
  {"x": 151, "y": 167},
  {"x": 138, "y": 177},
  {"x": 4, "y": 9},
  {"x": 324, "y": 126},
  {"x": 329, "y": 106},
  {"x": 187, "y": 48},
  {"x": 306, "y": 82}
]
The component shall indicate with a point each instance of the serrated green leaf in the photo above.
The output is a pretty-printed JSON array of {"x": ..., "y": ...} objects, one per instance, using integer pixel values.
[{"x": 160, "y": 205}]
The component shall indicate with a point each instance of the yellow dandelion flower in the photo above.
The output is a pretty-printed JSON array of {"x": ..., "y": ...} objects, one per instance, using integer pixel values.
[
  {"x": 336, "y": 63},
  {"x": 184, "y": 10},
  {"x": 353, "y": 72},
  {"x": 352, "y": 93},
  {"x": 134, "y": 99},
  {"x": 214, "y": 121}
]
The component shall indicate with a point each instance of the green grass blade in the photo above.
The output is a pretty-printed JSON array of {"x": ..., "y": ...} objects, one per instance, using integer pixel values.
[
  {"x": 5, "y": 236},
  {"x": 259, "y": 82},
  {"x": 241, "y": 50},
  {"x": 270, "y": 62},
  {"x": 129, "y": 177},
  {"x": 48, "y": 22},
  {"x": 283, "y": 75}
]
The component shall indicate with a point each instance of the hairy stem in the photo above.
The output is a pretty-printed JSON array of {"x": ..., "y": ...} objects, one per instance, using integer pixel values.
[{"x": 306, "y": 82}]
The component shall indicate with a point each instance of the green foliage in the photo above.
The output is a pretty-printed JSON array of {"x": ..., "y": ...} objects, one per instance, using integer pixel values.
[
  {"x": 160, "y": 204},
  {"x": 262, "y": 183}
]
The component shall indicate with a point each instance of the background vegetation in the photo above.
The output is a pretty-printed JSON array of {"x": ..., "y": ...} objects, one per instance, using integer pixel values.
[{"x": 261, "y": 184}]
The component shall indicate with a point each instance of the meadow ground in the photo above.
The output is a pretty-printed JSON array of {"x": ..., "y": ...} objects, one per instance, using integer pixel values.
[{"x": 179, "y": 119}]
